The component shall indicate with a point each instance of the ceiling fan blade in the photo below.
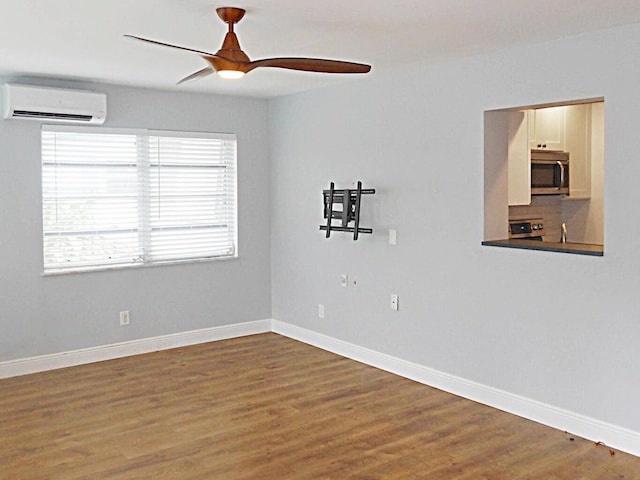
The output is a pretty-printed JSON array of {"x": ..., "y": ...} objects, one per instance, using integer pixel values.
[
  {"x": 310, "y": 65},
  {"x": 155, "y": 42},
  {"x": 194, "y": 76}
]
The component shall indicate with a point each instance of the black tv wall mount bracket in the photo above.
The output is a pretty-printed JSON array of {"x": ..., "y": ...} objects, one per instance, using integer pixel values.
[{"x": 344, "y": 205}]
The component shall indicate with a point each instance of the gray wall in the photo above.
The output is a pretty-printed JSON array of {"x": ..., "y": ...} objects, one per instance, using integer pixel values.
[
  {"x": 560, "y": 329},
  {"x": 40, "y": 315}
]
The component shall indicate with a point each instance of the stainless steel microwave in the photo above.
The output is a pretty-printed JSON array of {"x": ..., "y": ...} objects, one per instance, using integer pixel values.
[{"x": 549, "y": 172}]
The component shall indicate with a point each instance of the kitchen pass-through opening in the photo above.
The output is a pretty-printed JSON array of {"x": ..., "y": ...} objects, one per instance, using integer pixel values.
[{"x": 544, "y": 171}]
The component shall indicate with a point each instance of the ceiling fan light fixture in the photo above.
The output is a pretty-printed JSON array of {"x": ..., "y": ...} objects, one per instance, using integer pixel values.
[
  {"x": 230, "y": 74},
  {"x": 230, "y": 62}
]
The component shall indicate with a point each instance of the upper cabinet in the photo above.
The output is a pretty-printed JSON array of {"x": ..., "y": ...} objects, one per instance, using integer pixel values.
[
  {"x": 547, "y": 128},
  {"x": 518, "y": 159},
  {"x": 578, "y": 144},
  {"x": 565, "y": 128}
]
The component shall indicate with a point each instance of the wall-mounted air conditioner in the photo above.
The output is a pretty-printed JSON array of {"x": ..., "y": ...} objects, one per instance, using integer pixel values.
[{"x": 53, "y": 104}]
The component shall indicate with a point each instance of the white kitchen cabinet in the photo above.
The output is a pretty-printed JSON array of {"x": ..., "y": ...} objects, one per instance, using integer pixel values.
[
  {"x": 578, "y": 144},
  {"x": 519, "y": 160},
  {"x": 547, "y": 128}
]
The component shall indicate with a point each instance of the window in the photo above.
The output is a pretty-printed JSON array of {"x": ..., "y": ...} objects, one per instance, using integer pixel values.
[{"x": 114, "y": 198}]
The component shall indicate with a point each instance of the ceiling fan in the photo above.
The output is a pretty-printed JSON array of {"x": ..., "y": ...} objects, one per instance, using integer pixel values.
[{"x": 231, "y": 62}]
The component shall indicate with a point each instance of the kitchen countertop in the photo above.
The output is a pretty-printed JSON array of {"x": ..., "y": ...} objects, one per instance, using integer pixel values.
[{"x": 575, "y": 248}]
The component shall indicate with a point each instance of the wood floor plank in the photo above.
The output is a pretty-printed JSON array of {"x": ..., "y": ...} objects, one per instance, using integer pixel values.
[{"x": 267, "y": 407}]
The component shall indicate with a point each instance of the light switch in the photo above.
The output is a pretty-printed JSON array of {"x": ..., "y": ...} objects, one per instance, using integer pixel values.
[{"x": 393, "y": 237}]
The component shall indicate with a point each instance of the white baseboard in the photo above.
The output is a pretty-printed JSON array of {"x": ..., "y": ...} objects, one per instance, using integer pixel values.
[
  {"x": 23, "y": 366},
  {"x": 612, "y": 435}
]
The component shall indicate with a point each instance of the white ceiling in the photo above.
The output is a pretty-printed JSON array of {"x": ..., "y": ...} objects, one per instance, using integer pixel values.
[{"x": 83, "y": 39}]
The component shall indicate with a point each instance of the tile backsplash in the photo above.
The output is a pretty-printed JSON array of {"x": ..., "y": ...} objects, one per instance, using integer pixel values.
[{"x": 546, "y": 207}]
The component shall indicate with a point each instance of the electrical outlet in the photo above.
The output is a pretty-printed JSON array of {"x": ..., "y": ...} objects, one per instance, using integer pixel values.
[
  {"x": 320, "y": 310},
  {"x": 125, "y": 319},
  {"x": 344, "y": 279},
  {"x": 394, "y": 301}
]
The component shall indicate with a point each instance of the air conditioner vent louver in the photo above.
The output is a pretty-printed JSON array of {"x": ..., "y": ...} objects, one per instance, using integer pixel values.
[
  {"x": 53, "y": 104},
  {"x": 59, "y": 116}
]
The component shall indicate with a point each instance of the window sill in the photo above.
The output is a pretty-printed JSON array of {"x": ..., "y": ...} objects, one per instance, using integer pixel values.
[{"x": 55, "y": 273}]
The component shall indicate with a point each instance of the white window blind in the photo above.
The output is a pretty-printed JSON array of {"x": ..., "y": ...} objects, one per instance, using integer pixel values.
[{"x": 122, "y": 198}]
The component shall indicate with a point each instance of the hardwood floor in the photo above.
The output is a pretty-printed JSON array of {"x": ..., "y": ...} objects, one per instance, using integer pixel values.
[{"x": 267, "y": 407}]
